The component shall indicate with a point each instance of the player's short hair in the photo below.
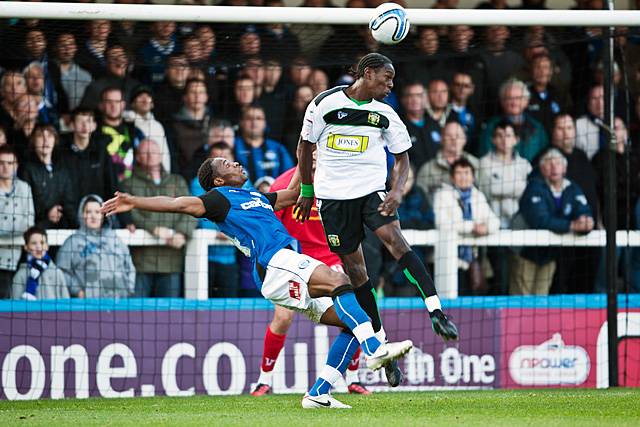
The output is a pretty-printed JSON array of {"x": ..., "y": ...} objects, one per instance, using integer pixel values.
[
  {"x": 371, "y": 60},
  {"x": 33, "y": 230},
  {"x": 108, "y": 89},
  {"x": 462, "y": 162},
  {"x": 40, "y": 129},
  {"x": 206, "y": 174},
  {"x": 221, "y": 145}
]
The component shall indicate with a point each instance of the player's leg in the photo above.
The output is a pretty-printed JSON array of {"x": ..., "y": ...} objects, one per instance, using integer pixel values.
[
  {"x": 354, "y": 386},
  {"x": 416, "y": 272},
  {"x": 274, "y": 338}
]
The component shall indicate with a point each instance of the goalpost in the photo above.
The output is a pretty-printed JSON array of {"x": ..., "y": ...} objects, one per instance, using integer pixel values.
[{"x": 505, "y": 335}]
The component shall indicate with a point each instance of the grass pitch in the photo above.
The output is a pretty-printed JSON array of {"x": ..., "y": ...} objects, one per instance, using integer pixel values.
[{"x": 565, "y": 407}]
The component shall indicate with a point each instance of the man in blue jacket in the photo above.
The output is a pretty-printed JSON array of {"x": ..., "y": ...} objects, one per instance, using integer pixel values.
[{"x": 550, "y": 202}]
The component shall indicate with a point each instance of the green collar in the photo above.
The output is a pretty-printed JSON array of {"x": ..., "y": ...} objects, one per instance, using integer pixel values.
[{"x": 359, "y": 102}]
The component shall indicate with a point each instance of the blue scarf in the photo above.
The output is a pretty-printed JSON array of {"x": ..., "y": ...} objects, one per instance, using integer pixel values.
[
  {"x": 35, "y": 268},
  {"x": 465, "y": 253}
]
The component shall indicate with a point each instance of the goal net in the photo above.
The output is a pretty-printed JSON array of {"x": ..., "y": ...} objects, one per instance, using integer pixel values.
[{"x": 505, "y": 201}]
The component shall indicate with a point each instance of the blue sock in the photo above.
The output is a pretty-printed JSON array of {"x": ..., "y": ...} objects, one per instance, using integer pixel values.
[
  {"x": 352, "y": 315},
  {"x": 340, "y": 354}
]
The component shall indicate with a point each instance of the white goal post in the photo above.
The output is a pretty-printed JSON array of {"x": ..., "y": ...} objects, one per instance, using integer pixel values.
[{"x": 303, "y": 15}]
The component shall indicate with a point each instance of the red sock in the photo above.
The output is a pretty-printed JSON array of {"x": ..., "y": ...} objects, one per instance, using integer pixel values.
[
  {"x": 273, "y": 343},
  {"x": 355, "y": 360}
]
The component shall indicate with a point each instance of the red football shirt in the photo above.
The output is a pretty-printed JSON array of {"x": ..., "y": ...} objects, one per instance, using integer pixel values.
[{"x": 310, "y": 234}]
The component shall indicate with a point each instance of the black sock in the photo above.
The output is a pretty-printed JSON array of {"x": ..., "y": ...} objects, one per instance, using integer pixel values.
[
  {"x": 415, "y": 271},
  {"x": 366, "y": 297}
]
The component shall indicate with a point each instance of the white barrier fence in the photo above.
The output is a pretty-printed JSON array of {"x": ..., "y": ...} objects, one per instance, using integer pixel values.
[{"x": 445, "y": 244}]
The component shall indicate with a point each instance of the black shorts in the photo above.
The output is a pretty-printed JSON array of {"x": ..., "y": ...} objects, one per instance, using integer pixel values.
[{"x": 344, "y": 220}]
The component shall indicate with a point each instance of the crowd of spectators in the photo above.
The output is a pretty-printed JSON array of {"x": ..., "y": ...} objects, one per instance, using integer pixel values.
[{"x": 506, "y": 125}]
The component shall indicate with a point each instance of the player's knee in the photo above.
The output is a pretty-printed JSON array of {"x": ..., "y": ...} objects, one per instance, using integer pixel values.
[{"x": 281, "y": 322}]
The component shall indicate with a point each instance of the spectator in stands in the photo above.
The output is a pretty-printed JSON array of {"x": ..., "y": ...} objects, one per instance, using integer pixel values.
[
  {"x": 319, "y": 81},
  {"x": 299, "y": 72},
  {"x": 17, "y": 213},
  {"x": 224, "y": 271},
  {"x": 51, "y": 184},
  {"x": 158, "y": 268},
  {"x": 437, "y": 171},
  {"x": 219, "y": 131},
  {"x": 96, "y": 263},
  {"x": 438, "y": 108},
  {"x": 503, "y": 173},
  {"x": 259, "y": 155},
  {"x": 169, "y": 93},
  {"x": 245, "y": 93},
  {"x": 460, "y": 207},
  {"x": 207, "y": 38},
  {"x": 493, "y": 4},
  {"x": 295, "y": 116},
  {"x": 277, "y": 39},
  {"x": 500, "y": 61},
  {"x": 116, "y": 76},
  {"x": 503, "y": 178},
  {"x": 83, "y": 152},
  {"x": 590, "y": 133},
  {"x": 627, "y": 192},
  {"x": 546, "y": 101},
  {"x": 38, "y": 278},
  {"x": 12, "y": 86},
  {"x": 462, "y": 89},
  {"x": 191, "y": 123},
  {"x": 514, "y": 98},
  {"x": 570, "y": 260},
  {"x": 427, "y": 65},
  {"x": 464, "y": 58},
  {"x": 130, "y": 34},
  {"x": 142, "y": 117},
  {"x": 550, "y": 202},
  {"x": 425, "y": 134},
  {"x": 153, "y": 55},
  {"x": 48, "y": 113},
  {"x": 92, "y": 53},
  {"x": 121, "y": 138},
  {"x": 273, "y": 98},
  {"x": 25, "y": 116},
  {"x": 73, "y": 78}
]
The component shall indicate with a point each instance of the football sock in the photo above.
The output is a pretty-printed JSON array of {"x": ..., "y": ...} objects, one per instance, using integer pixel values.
[
  {"x": 355, "y": 360},
  {"x": 415, "y": 271},
  {"x": 340, "y": 355},
  {"x": 273, "y": 344},
  {"x": 354, "y": 317},
  {"x": 366, "y": 296}
]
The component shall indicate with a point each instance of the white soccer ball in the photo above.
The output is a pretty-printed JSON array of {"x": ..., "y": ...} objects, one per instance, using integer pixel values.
[{"x": 389, "y": 23}]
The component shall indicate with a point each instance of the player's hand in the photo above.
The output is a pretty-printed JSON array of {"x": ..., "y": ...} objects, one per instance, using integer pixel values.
[
  {"x": 302, "y": 209},
  {"x": 390, "y": 204},
  {"x": 122, "y": 202}
]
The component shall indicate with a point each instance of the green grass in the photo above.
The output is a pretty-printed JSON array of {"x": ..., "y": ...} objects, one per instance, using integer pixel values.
[{"x": 483, "y": 408}]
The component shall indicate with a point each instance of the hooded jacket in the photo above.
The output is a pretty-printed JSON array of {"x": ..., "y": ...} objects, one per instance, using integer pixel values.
[{"x": 97, "y": 261}]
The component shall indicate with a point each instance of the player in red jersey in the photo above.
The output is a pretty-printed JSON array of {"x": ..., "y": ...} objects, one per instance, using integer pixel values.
[{"x": 313, "y": 243}]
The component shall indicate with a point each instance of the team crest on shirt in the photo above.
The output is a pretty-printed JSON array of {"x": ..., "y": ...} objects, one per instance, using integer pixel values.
[
  {"x": 342, "y": 115},
  {"x": 294, "y": 290},
  {"x": 333, "y": 239},
  {"x": 373, "y": 118}
]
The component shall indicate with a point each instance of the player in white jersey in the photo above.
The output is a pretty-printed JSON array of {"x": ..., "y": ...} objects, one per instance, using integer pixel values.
[{"x": 350, "y": 127}]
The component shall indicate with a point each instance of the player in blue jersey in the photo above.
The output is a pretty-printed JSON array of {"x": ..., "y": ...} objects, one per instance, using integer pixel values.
[{"x": 284, "y": 276}]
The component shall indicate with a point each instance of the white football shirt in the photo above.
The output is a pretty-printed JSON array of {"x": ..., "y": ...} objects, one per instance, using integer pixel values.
[{"x": 350, "y": 138}]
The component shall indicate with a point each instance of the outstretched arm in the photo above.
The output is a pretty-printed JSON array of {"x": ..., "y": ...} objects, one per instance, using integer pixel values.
[
  {"x": 124, "y": 202},
  {"x": 289, "y": 196}
]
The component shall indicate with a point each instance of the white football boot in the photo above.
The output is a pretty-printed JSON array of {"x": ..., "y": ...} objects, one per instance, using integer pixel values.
[
  {"x": 387, "y": 353},
  {"x": 324, "y": 401}
]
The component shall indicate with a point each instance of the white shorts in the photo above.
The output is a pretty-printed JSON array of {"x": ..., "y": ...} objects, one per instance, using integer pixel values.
[{"x": 286, "y": 283}]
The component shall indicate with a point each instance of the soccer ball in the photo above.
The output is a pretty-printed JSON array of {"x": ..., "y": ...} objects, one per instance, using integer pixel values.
[{"x": 389, "y": 23}]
